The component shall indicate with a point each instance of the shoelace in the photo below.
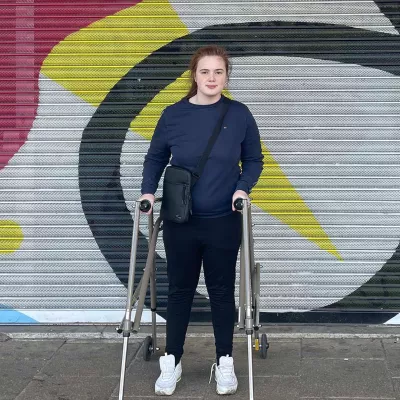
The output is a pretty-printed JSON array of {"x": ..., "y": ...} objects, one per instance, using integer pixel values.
[
  {"x": 212, "y": 369},
  {"x": 223, "y": 370}
]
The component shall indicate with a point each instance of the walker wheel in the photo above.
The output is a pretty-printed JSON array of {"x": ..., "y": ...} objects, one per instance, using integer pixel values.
[
  {"x": 264, "y": 345},
  {"x": 147, "y": 348}
]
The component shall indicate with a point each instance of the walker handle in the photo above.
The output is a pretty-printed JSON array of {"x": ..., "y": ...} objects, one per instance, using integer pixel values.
[
  {"x": 145, "y": 205},
  {"x": 238, "y": 204}
]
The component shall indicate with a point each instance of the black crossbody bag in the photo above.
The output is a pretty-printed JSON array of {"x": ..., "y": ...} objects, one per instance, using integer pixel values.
[{"x": 176, "y": 203}]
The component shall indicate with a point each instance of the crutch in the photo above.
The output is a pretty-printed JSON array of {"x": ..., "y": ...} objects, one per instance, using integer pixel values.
[
  {"x": 149, "y": 273},
  {"x": 249, "y": 290}
]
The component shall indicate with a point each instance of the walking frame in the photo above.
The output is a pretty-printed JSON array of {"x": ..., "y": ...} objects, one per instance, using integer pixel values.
[{"x": 249, "y": 291}]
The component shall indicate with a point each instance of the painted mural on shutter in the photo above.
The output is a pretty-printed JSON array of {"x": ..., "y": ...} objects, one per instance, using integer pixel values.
[{"x": 82, "y": 85}]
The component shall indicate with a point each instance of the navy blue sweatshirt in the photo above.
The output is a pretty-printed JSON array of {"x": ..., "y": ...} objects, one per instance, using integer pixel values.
[{"x": 183, "y": 131}]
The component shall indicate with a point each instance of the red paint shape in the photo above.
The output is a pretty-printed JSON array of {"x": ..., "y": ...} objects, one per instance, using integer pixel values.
[{"x": 28, "y": 32}]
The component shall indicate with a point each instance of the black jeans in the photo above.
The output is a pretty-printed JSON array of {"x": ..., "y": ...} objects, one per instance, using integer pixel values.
[{"x": 215, "y": 242}]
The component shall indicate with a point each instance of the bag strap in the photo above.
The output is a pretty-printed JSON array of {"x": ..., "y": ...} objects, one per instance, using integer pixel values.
[{"x": 200, "y": 166}]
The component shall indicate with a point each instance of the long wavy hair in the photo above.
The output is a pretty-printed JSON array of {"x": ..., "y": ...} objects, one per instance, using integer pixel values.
[{"x": 211, "y": 50}]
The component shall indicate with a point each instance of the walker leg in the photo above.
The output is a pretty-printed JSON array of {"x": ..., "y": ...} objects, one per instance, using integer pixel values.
[
  {"x": 146, "y": 277},
  {"x": 123, "y": 366},
  {"x": 250, "y": 361},
  {"x": 153, "y": 292},
  {"x": 249, "y": 322},
  {"x": 126, "y": 325},
  {"x": 153, "y": 305},
  {"x": 242, "y": 289}
]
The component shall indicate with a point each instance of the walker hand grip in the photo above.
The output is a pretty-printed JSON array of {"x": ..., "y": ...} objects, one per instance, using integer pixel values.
[
  {"x": 238, "y": 204},
  {"x": 145, "y": 205}
]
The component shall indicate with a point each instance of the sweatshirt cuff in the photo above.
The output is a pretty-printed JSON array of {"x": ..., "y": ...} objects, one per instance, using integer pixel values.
[
  {"x": 241, "y": 185},
  {"x": 148, "y": 190}
]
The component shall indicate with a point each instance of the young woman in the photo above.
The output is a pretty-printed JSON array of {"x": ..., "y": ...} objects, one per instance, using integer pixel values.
[{"x": 212, "y": 235}]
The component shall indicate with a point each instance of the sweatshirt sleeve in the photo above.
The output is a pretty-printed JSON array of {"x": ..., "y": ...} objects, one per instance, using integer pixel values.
[
  {"x": 251, "y": 157},
  {"x": 156, "y": 158}
]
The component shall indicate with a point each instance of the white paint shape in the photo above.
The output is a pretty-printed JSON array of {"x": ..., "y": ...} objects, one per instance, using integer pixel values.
[
  {"x": 362, "y": 14},
  {"x": 85, "y": 316},
  {"x": 394, "y": 321}
]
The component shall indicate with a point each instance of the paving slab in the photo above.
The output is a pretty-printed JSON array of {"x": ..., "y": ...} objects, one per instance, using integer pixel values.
[
  {"x": 268, "y": 388},
  {"x": 196, "y": 348},
  {"x": 298, "y": 369},
  {"x": 342, "y": 348},
  {"x": 392, "y": 350},
  {"x": 396, "y": 386},
  {"x": 283, "y": 359},
  {"x": 350, "y": 378},
  {"x": 20, "y": 362},
  {"x": 69, "y": 388},
  {"x": 89, "y": 359},
  {"x": 141, "y": 376},
  {"x": 154, "y": 397},
  {"x": 197, "y": 361},
  {"x": 205, "y": 346}
]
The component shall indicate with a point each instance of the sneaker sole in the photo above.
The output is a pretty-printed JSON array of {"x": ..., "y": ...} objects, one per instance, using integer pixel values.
[
  {"x": 226, "y": 390},
  {"x": 166, "y": 392},
  {"x": 222, "y": 391}
]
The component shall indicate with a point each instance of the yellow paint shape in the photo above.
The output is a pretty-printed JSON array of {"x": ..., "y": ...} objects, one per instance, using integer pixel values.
[
  {"x": 297, "y": 215},
  {"x": 96, "y": 57},
  {"x": 295, "y": 212},
  {"x": 11, "y": 236}
]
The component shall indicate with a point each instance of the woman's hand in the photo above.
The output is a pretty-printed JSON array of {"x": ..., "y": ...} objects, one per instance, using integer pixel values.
[
  {"x": 150, "y": 198},
  {"x": 239, "y": 194}
]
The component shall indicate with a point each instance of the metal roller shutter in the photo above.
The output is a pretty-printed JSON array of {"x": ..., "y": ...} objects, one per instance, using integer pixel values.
[{"x": 82, "y": 85}]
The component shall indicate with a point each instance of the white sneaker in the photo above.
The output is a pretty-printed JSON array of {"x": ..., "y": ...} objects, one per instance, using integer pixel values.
[
  {"x": 170, "y": 375},
  {"x": 225, "y": 376}
]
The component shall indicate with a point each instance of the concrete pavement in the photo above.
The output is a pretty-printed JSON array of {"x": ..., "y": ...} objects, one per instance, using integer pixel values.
[{"x": 304, "y": 362}]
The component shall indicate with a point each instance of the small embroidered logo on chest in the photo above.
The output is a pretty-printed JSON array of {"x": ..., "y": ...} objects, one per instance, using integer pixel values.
[{"x": 225, "y": 127}]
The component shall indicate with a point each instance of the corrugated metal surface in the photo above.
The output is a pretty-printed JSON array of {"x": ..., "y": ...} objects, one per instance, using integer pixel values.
[{"x": 82, "y": 85}]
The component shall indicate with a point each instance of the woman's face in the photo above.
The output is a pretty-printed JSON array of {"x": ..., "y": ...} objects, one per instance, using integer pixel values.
[{"x": 211, "y": 76}]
